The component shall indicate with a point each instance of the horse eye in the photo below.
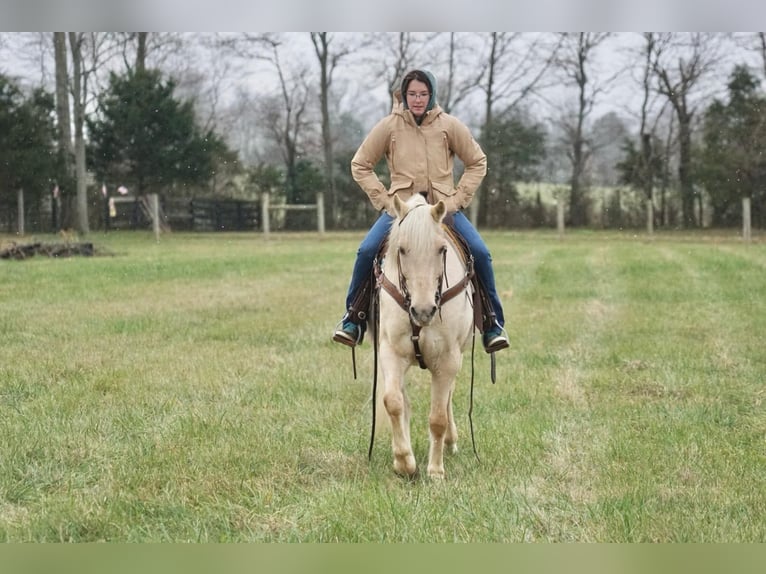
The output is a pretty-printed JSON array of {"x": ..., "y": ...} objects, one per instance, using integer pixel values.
[{"x": 402, "y": 251}]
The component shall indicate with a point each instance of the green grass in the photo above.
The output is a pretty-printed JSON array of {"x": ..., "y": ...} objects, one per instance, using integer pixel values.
[{"x": 188, "y": 390}]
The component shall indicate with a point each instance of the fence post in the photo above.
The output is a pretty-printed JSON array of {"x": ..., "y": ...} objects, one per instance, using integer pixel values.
[
  {"x": 320, "y": 212},
  {"x": 20, "y": 196},
  {"x": 650, "y": 217},
  {"x": 55, "y": 210},
  {"x": 265, "y": 213},
  {"x": 746, "y": 219},
  {"x": 105, "y": 211},
  {"x": 154, "y": 208},
  {"x": 560, "y": 213}
]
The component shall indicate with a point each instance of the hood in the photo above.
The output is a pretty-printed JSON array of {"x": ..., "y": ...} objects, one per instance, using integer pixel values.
[{"x": 432, "y": 89}]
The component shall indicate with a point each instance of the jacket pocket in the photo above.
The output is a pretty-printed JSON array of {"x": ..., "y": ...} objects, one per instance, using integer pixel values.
[
  {"x": 443, "y": 189},
  {"x": 400, "y": 185}
]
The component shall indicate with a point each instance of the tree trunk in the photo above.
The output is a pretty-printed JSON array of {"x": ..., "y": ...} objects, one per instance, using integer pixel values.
[
  {"x": 664, "y": 207},
  {"x": 577, "y": 206},
  {"x": 647, "y": 173},
  {"x": 62, "y": 103},
  {"x": 688, "y": 218},
  {"x": 322, "y": 51},
  {"x": 79, "y": 140},
  {"x": 477, "y": 211},
  {"x": 762, "y": 38},
  {"x": 141, "y": 52}
]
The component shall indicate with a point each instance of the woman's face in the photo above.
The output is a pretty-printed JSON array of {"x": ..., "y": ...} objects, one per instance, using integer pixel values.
[{"x": 417, "y": 97}]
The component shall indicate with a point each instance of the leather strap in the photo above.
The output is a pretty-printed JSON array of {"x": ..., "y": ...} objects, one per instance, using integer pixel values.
[{"x": 388, "y": 286}]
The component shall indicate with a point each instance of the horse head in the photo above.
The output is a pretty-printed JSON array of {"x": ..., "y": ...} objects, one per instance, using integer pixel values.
[{"x": 420, "y": 246}]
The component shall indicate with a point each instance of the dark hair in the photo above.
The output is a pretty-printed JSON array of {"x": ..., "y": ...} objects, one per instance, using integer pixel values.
[{"x": 418, "y": 75}]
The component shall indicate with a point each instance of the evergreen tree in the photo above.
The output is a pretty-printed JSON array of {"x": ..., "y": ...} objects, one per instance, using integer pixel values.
[
  {"x": 28, "y": 158},
  {"x": 147, "y": 139},
  {"x": 518, "y": 148},
  {"x": 731, "y": 164}
]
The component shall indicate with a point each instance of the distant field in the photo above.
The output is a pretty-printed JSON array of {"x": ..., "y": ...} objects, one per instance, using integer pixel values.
[{"x": 188, "y": 390}]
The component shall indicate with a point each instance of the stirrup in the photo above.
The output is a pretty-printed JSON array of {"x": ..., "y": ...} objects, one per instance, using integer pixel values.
[
  {"x": 498, "y": 343},
  {"x": 343, "y": 337}
]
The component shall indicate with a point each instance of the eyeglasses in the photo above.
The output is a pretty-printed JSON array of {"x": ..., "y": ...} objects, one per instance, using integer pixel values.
[{"x": 420, "y": 96}]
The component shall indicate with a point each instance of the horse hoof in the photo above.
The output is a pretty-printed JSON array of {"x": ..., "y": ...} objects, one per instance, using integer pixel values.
[
  {"x": 405, "y": 466},
  {"x": 436, "y": 474},
  {"x": 451, "y": 448}
]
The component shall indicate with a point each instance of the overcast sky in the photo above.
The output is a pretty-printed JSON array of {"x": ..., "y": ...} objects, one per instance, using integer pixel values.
[
  {"x": 399, "y": 15},
  {"x": 623, "y": 97}
]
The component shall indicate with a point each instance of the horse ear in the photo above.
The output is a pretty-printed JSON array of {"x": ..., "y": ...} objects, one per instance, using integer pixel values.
[
  {"x": 438, "y": 211},
  {"x": 399, "y": 206}
]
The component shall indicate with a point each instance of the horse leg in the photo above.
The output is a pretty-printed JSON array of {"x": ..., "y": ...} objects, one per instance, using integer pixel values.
[
  {"x": 398, "y": 409},
  {"x": 450, "y": 438},
  {"x": 440, "y": 422}
]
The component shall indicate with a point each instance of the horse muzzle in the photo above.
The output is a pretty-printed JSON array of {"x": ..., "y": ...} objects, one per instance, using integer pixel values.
[{"x": 423, "y": 315}]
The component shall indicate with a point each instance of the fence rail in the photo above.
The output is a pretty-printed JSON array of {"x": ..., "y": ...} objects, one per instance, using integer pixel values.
[{"x": 196, "y": 214}]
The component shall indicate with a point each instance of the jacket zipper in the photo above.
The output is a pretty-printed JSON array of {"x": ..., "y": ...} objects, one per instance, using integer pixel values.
[{"x": 393, "y": 153}]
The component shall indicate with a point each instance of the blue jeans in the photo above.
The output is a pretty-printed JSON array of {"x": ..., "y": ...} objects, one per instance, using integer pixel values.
[{"x": 368, "y": 249}]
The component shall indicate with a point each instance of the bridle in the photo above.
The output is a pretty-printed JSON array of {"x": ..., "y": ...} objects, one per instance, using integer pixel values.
[{"x": 402, "y": 295}]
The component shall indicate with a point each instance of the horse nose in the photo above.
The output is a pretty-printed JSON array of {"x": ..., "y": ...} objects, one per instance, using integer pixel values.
[{"x": 423, "y": 315}]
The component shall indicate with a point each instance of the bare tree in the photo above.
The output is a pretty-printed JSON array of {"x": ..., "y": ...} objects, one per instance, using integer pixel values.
[
  {"x": 665, "y": 179},
  {"x": 512, "y": 69},
  {"x": 328, "y": 61},
  {"x": 457, "y": 73},
  {"x": 762, "y": 42},
  {"x": 576, "y": 60},
  {"x": 89, "y": 52},
  {"x": 754, "y": 43},
  {"x": 446, "y": 99},
  {"x": 141, "y": 51},
  {"x": 285, "y": 113},
  {"x": 205, "y": 87},
  {"x": 62, "y": 101},
  {"x": 646, "y": 165},
  {"x": 681, "y": 62},
  {"x": 79, "y": 87},
  {"x": 393, "y": 55}
]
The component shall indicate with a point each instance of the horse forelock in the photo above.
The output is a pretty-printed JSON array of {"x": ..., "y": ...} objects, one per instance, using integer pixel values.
[{"x": 417, "y": 228}]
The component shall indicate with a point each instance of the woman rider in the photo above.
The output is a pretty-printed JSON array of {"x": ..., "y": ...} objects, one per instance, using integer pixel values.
[{"x": 419, "y": 140}]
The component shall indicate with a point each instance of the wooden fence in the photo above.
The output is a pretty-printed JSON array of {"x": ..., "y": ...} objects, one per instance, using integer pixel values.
[
  {"x": 196, "y": 214},
  {"x": 201, "y": 214}
]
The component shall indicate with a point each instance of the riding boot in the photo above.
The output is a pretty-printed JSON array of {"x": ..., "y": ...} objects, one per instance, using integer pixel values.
[
  {"x": 493, "y": 334},
  {"x": 357, "y": 313}
]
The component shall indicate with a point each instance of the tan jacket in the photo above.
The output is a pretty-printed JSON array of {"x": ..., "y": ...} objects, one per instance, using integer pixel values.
[{"x": 419, "y": 158}]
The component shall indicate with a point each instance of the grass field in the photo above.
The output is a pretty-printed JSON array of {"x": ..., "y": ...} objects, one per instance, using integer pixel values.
[{"x": 188, "y": 390}]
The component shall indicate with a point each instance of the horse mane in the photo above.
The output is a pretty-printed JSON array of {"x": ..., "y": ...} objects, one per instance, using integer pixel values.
[{"x": 417, "y": 225}]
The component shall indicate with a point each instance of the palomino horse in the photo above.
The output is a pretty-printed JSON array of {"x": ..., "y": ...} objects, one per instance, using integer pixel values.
[{"x": 426, "y": 317}]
